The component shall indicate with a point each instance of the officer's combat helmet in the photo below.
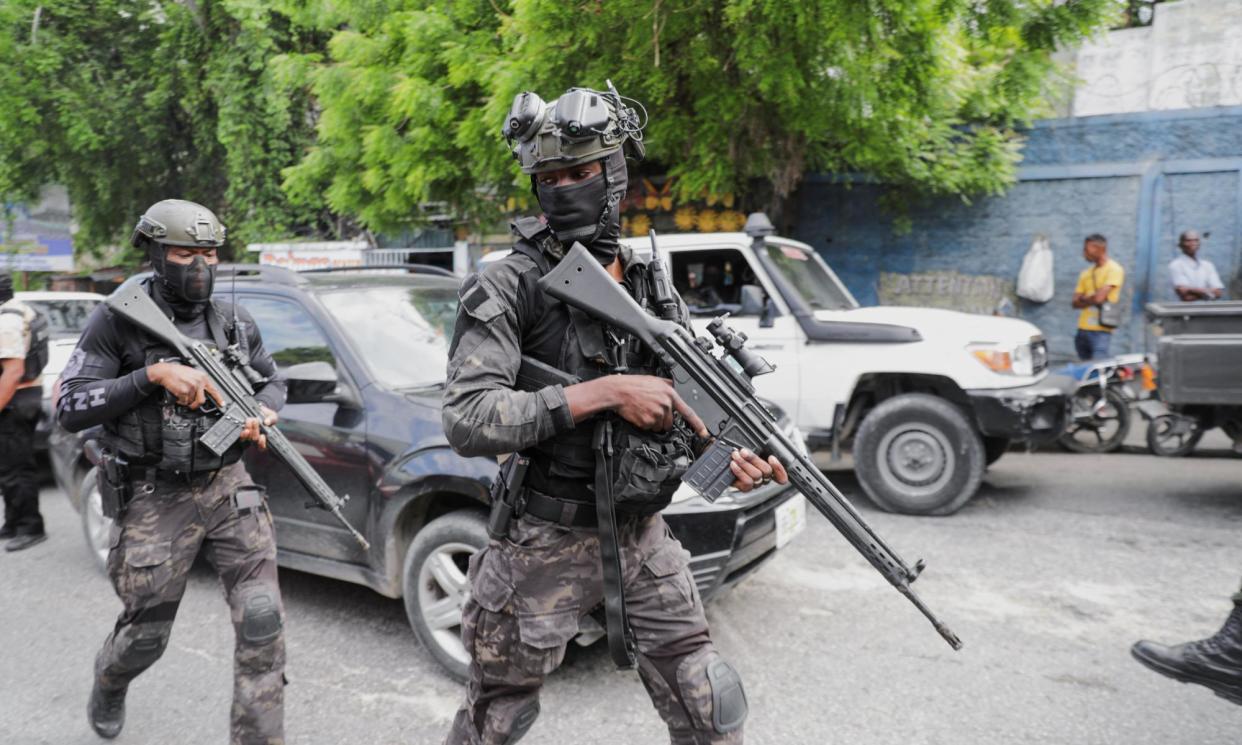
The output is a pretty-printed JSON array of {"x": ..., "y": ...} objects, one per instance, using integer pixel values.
[
  {"x": 176, "y": 222},
  {"x": 581, "y": 126}
]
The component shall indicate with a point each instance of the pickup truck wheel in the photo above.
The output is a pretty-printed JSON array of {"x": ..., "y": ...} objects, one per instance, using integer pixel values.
[
  {"x": 436, "y": 588},
  {"x": 918, "y": 455},
  {"x": 96, "y": 528}
]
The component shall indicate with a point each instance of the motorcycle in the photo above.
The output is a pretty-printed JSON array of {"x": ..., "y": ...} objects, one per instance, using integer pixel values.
[{"x": 1100, "y": 416}]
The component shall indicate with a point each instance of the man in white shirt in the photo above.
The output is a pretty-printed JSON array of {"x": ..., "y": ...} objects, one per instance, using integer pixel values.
[{"x": 1193, "y": 278}]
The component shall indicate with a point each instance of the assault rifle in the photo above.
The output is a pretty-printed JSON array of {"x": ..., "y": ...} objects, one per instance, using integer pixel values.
[
  {"x": 723, "y": 397},
  {"x": 236, "y": 386}
]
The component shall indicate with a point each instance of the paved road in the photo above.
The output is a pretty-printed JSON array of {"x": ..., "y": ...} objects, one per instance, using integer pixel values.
[{"x": 1048, "y": 576}]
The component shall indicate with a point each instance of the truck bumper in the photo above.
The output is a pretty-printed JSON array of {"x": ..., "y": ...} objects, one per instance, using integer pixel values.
[{"x": 1033, "y": 413}]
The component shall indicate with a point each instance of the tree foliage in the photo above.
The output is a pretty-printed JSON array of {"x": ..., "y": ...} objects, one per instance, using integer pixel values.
[
  {"x": 745, "y": 96},
  {"x": 130, "y": 101}
]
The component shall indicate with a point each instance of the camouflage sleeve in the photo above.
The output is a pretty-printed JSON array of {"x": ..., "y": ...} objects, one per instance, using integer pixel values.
[
  {"x": 272, "y": 393},
  {"x": 93, "y": 390},
  {"x": 483, "y": 414}
]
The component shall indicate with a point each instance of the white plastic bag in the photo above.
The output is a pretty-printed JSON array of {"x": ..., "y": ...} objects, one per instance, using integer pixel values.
[{"x": 1035, "y": 279}]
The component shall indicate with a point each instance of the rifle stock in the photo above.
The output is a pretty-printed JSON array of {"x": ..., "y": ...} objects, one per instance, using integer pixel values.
[
  {"x": 725, "y": 400},
  {"x": 137, "y": 307}
]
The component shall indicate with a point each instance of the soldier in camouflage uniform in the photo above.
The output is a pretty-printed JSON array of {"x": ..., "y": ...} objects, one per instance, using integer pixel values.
[
  {"x": 177, "y": 498},
  {"x": 530, "y": 589},
  {"x": 1214, "y": 662}
]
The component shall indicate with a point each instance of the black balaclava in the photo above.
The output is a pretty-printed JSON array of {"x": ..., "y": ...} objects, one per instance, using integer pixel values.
[
  {"x": 589, "y": 212},
  {"x": 185, "y": 287},
  {"x": 6, "y": 287}
]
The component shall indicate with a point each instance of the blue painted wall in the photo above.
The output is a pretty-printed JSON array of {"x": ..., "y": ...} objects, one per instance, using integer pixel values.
[{"x": 1138, "y": 179}]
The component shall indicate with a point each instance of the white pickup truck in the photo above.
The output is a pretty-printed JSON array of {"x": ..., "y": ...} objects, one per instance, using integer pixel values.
[{"x": 925, "y": 398}]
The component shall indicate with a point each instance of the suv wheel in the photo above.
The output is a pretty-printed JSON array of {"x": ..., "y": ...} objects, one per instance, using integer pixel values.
[
  {"x": 435, "y": 585},
  {"x": 96, "y": 528},
  {"x": 918, "y": 455}
]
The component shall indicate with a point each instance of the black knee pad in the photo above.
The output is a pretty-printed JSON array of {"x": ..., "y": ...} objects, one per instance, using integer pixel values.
[
  {"x": 523, "y": 720},
  {"x": 261, "y": 622},
  {"x": 729, "y": 707},
  {"x": 145, "y": 645}
]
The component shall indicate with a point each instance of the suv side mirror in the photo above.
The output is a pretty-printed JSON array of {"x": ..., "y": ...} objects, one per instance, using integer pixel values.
[
  {"x": 751, "y": 297},
  {"x": 311, "y": 382}
]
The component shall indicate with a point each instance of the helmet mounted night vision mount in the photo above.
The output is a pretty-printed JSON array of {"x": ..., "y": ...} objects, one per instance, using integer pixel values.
[{"x": 581, "y": 126}]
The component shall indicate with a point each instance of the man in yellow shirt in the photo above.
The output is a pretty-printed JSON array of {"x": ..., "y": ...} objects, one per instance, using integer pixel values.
[{"x": 1098, "y": 284}]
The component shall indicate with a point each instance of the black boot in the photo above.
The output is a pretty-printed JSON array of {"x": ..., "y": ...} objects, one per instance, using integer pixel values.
[
  {"x": 7, "y": 532},
  {"x": 1215, "y": 662},
  {"x": 106, "y": 711}
]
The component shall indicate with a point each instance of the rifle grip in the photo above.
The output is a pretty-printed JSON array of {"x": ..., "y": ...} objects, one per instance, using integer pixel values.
[{"x": 710, "y": 474}]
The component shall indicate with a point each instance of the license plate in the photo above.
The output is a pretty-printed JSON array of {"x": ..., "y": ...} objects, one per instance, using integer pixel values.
[{"x": 790, "y": 519}]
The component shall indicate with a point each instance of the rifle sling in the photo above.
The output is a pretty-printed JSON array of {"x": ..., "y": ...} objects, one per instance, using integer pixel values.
[{"x": 620, "y": 637}]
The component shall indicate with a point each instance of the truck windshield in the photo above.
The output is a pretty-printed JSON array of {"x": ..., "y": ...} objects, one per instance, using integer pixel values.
[
  {"x": 401, "y": 332},
  {"x": 801, "y": 269}
]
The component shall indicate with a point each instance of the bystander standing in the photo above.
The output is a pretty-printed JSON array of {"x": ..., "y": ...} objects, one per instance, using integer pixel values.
[
  {"x": 1097, "y": 296},
  {"x": 1193, "y": 278}
]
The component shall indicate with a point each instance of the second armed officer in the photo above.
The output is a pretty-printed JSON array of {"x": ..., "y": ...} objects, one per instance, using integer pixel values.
[{"x": 172, "y": 497}]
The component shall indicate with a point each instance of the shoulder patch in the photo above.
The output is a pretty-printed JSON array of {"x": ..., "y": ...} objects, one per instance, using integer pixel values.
[{"x": 479, "y": 303}]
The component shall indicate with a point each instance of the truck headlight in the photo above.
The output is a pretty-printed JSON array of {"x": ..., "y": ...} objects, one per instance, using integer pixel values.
[{"x": 1019, "y": 360}]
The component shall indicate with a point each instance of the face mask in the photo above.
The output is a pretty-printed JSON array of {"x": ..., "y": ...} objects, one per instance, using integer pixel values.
[
  {"x": 573, "y": 211},
  {"x": 191, "y": 282},
  {"x": 577, "y": 212}
]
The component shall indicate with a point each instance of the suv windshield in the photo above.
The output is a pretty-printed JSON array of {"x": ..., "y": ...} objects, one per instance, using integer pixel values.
[
  {"x": 402, "y": 332},
  {"x": 64, "y": 317},
  {"x": 818, "y": 288}
]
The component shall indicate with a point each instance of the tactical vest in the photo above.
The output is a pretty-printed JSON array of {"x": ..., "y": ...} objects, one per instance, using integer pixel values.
[
  {"x": 650, "y": 464},
  {"x": 160, "y": 432},
  {"x": 37, "y": 354}
]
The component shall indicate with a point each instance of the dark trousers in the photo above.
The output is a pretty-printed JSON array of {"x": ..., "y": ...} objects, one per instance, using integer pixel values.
[
  {"x": 1092, "y": 345},
  {"x": 19, "y": 478}
]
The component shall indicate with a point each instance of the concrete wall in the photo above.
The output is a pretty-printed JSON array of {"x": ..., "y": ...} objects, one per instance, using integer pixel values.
[
  {"x": 1189, "y": 57},
  {"x": 1139, "y": 179}
]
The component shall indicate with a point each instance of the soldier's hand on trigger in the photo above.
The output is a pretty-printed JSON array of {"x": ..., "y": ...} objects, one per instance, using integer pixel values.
[
  {"x": 252, "y": 430},
  {"x": 189, "y": 386},
  {"x": 649, "y": 402}
]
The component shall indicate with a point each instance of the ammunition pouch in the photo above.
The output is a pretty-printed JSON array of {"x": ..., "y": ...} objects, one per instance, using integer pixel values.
[
  {"x": 181, "y": 430},
  {"x": 112, "y": 477},
  {"x": 648, "y": 467}
]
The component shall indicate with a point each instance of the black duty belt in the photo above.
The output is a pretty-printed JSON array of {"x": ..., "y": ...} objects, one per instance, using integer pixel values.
[
  {"x": 151, "y": 474},
  {"x": 560, "y": 511}
]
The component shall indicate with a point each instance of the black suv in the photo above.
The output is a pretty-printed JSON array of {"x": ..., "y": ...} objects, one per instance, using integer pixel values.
[{"x": 378, "y": 438}]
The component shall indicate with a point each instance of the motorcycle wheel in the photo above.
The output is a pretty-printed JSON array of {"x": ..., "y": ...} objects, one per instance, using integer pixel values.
[
  {"x": 1170, "y": 438},
  {"x": 1098, "y": 424}
]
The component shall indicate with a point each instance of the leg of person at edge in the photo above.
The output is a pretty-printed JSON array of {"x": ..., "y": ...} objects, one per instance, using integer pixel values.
[
  {"x": 183, "y": 499},
  {"x": 529, "y": 591},
  {"x": 1214, "y": 662},
  {"x": 21, "y": 401}
]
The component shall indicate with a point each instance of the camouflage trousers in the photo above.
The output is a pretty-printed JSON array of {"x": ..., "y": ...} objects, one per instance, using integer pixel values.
[
  {"x": 154, "y": 544},
  {"x": 528, "y": 593}
]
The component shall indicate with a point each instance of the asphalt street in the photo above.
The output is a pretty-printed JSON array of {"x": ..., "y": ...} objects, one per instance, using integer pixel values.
[{"x": 1048, "y": 576}]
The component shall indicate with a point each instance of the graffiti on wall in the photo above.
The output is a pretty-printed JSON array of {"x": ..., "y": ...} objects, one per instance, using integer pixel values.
[{"x": 971, "y": 293}]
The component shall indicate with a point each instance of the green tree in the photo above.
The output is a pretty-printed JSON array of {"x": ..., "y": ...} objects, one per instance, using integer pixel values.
[
  {"x": 130, "y": 101},
  {"x": 745, "y": 96}
]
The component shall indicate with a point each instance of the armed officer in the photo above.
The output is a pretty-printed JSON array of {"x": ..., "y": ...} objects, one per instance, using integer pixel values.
[
  {"x": 170, "y": 495},
  {"x": 23, "y": 355},
  {"x": 548, "y": 565}
]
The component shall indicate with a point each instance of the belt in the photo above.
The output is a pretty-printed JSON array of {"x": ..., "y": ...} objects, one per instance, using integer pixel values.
[
  {"x": 152, "y": 474},
  {"x": 559, "y": 511}
]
